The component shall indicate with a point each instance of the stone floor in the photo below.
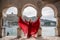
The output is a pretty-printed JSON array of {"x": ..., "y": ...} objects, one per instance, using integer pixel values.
[{"x": 38, "y": 38}]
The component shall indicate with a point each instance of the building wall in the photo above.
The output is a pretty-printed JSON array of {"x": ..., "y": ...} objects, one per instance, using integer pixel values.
[{"x": 21, "y": 4}]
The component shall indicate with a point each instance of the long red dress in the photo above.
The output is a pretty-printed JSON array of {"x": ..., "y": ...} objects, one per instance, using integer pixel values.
[{"x": 29, "y": 28}]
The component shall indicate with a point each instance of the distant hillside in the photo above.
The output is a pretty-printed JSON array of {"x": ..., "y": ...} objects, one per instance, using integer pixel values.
[
  {"x": 13, "y": 19},
  {"x": 46, "y": 22}
]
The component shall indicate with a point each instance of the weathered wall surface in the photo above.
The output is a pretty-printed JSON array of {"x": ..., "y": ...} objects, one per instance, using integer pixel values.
[{"x": 37, "y": 4}]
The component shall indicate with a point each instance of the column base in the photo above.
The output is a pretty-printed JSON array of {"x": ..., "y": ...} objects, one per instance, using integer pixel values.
[
  {"x": 58, "y": 31},
  {"x": 18, "y": 33},
  {"x": 39, "y": 32},
  {"x": 0, "y": 32}
]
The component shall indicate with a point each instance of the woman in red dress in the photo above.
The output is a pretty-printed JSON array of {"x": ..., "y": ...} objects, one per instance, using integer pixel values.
[{"x": 29, "y": 27}]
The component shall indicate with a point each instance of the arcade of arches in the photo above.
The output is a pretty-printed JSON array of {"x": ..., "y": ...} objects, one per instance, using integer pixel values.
[{"x": 37, "y": 4}]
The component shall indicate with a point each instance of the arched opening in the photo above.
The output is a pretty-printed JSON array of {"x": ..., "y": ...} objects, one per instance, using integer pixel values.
[
  {"x": 10, "y": 21},
  {"x": 48, "y": 21},
  {"x": 29, "y": 13}
]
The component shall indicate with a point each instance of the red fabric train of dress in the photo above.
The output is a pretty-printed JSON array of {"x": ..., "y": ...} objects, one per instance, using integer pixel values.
[{"x": 29, "y": 28}]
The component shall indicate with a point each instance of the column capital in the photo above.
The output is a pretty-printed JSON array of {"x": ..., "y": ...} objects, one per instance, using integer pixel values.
[
  {"x": 0, "y": 14},
  {"x": 58, "y": 16}
]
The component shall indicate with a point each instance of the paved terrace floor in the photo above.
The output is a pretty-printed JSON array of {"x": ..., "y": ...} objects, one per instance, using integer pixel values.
[{"x": 38, "y": 38}]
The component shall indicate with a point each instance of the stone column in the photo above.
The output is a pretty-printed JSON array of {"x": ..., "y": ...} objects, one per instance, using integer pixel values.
[
  {"x": 18, "y": 29},
  {"x": 0, "y": 25},
  {"x": 58, "y": 26},
  {"x": 40, "y": 5},
  {"x": 40, "y": 29}
]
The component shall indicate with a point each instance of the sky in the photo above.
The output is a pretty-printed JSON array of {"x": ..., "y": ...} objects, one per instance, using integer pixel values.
[
  {"x": 47, "y": 12},
  {"x": 30, "y": 12}
]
